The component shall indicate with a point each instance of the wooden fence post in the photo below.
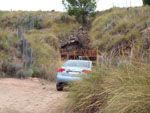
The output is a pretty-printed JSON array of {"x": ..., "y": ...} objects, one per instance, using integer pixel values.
[{"x": 98, "y": 57}]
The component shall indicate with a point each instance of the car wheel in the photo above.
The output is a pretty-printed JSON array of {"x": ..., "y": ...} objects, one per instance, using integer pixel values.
[{"x": 59, "y": 87}]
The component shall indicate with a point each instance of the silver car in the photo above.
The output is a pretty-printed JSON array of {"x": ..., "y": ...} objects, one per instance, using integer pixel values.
[{"x": 71, "y": 71}]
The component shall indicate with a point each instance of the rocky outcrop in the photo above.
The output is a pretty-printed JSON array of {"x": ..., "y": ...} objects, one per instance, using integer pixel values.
[{"x": 76, "y": 39}]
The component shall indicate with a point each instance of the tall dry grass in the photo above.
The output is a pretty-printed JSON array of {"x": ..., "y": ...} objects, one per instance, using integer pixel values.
[{"x": 113, "y": 90}]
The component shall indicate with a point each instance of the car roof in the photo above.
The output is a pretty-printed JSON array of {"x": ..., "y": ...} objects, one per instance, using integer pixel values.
[{"x": 80, "y": 60}]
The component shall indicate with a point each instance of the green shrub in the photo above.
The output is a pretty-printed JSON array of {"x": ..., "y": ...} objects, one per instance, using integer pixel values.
[
  {"x": 28, "y": 72},
  {"x": 38, "y": 24},
  {"x": 36, "y": 71},
  {"x": 12, "y": 69},
  {"x": 15, "y": 70},
  {"x": 6, "y": 41},
  {"x": 23, "y": 73},
  {"x": 20, "y": 74},
  {"x": 18, "y": 54}
]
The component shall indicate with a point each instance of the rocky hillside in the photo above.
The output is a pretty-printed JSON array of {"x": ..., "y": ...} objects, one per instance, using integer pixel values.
[
  {"x": 76, "y": 39},
  {"x": 120, "y": 31}
]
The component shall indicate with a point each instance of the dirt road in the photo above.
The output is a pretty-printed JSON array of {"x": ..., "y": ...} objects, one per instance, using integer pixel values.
[{"x": 29, "y": 96}]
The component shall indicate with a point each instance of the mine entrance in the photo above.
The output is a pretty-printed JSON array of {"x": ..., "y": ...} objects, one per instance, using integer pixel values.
[
  {"x": 80, "y": 54},
  {"x": 77, "y": 46}
]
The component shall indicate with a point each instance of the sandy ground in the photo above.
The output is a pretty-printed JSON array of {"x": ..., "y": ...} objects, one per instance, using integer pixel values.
[{"x": 29, "y": 96}]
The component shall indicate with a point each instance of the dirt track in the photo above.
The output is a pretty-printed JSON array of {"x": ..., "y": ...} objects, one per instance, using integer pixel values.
[{"x": 29, "y": 96}]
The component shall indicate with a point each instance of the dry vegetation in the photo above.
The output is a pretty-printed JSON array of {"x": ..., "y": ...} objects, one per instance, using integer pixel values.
[
  {"x": 106, "y": 90},
  {"x": 120, "y": 29},
  {"x": 44, "y": 31},
  {"x": 113, "y": 90},
  {"x": 6, "y": 41}
]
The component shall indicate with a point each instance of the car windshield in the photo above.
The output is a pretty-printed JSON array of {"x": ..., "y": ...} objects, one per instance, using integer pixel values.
[{"x": 81, "y": 64}]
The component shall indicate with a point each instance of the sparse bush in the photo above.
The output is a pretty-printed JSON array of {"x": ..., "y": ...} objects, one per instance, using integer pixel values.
[
  {"x": 28, "y": 72},
  {"x": 18, "y": 54},
  {"x": 20, "y": 74},
  {"x": 12, "y": 69},
  {"x": 51, "y": 40},
  {"x": 36, "y": 71},
  {"x": 49, "y": 73},
  {"x": 23, "y": 73},
  {"x": 15, "y": 70},
  {"x": 6, "y": 41},
  {"x": 48, "y": 24},
  {"x": 38, "y": 24},
  {"x": 66, "y": 19}
]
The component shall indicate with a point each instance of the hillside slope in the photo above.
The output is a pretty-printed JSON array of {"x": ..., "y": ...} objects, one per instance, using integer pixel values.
[
  {"x": 118, "y": 31},
  {"x": 115, "y": 32},
  {"x": 44, "y": 30}
]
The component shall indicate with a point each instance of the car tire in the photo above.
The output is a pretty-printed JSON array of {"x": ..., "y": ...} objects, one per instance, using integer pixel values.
[{"x": 59, "y": 87}]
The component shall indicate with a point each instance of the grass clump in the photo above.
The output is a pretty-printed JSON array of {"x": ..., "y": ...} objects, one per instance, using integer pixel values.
[
  {"x": 113, "y": 90},
  {"x": 128, "y": 90},
  {"x": 87, "y": 96}
]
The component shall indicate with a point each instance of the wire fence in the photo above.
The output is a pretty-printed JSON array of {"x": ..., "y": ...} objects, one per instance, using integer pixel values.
[{"x": 26, "y": 50}]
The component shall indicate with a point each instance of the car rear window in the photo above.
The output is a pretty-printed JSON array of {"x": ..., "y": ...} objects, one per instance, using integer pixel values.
[{"x": 77, "y": 64}]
